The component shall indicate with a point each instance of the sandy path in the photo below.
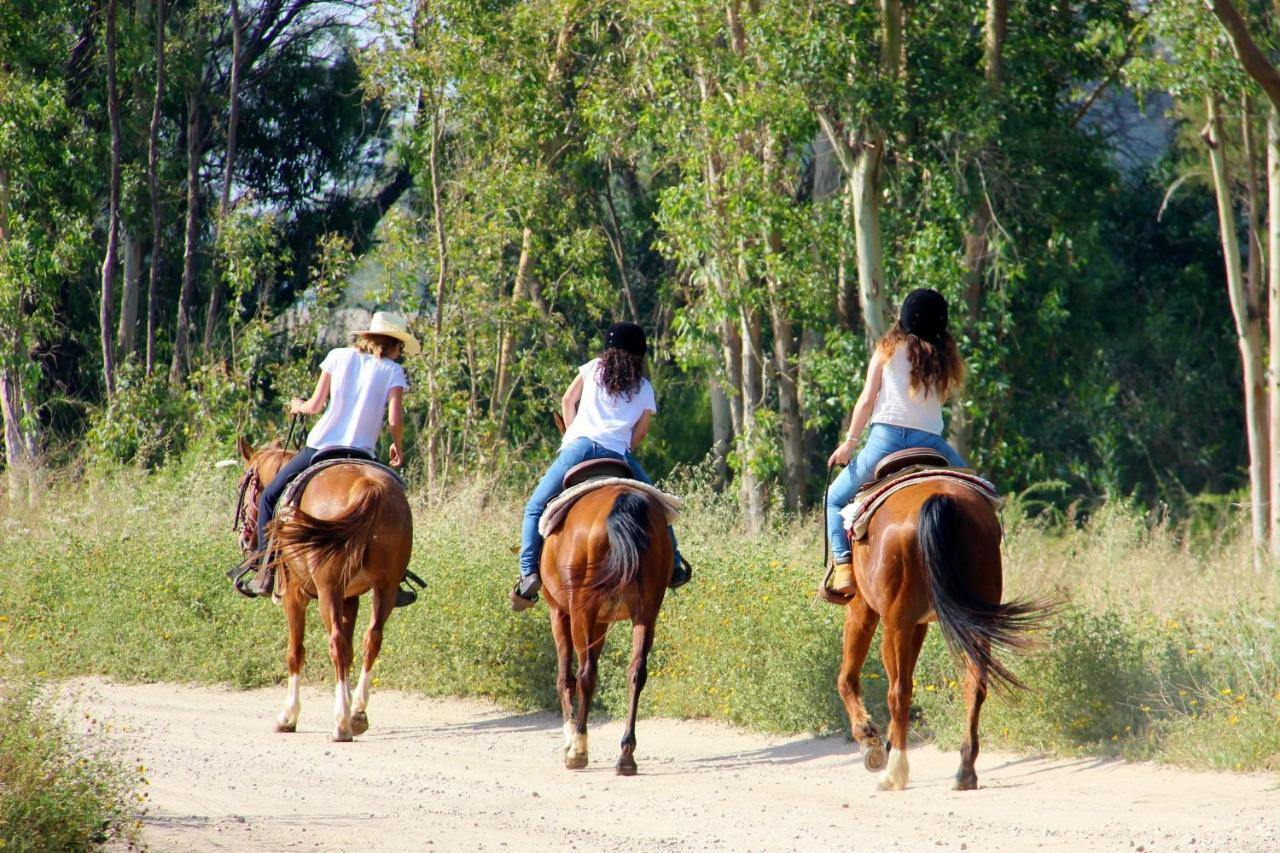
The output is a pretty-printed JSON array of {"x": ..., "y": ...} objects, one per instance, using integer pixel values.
[{"x": 458, "y": 775}]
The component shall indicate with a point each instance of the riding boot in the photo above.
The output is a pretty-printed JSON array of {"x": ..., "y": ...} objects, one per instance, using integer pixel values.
[
  {"x": 681, "y": 574},
  {"x": 525, "y": 593},
  {"x": 264, "y": 583},
  {"x": 842, "y": 582}
]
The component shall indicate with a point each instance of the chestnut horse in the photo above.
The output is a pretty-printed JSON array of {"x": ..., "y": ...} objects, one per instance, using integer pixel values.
[
  {"x": 931, "y": 553},
  {"x": 609, "y": 560},
  {"x": 351, "y": 533}
]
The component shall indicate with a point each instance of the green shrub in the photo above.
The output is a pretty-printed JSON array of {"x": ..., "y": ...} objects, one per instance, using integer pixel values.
[{"x": 60, "y": 789}]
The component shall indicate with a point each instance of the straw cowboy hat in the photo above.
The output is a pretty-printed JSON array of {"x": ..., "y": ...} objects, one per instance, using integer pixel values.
[{"x": 393, "y": 326}]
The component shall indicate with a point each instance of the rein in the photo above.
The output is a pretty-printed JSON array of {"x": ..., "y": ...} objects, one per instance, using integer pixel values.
[{"x": 822, "y": 516}]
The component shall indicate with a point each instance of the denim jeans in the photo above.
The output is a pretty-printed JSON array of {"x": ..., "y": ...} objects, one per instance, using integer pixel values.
[
  {"x": 271, "y": 494},
  {"x": 882, "y": 440},
  {"x": 549, "y": 487}
]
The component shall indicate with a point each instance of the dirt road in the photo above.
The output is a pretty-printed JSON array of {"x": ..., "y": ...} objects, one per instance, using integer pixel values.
[{"x": 457, "y": 775}]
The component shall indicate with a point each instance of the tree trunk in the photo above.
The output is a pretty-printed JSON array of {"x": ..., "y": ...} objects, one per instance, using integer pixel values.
[
  {"x": 228, "y": 169},
  {"x": 19, "y": 443},
  {"x": 181, "y": 335},
  {"x": 1273, "y": 319},
  {"x": 721, "y": 431},
  {"x": 153, "y": 186},
  {"x": 864, "y": 193},
  {"x": 749, "y": 439},
  {"x": 1248, "y": 334},
  {"x": 113, "y": 209},
  {"x": 132, "y": 257},
  {"x": 434, "y": 410},
  {"x": 786, "y": 365}
]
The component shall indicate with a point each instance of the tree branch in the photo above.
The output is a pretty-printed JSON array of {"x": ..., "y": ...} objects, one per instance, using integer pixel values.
[{"x": 1247, "y": 51}]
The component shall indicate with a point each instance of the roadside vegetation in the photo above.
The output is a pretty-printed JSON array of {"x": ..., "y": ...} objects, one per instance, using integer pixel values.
[{"x": 1168, "y": 647}]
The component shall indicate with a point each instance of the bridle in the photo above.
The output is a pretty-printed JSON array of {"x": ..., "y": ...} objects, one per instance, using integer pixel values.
[{"x": 246, "y": 517}]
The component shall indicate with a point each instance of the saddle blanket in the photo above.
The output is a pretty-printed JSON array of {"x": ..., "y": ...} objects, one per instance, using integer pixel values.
[
  {"x": 857, "y": 515},
  {"x": 559, "y": 506}
]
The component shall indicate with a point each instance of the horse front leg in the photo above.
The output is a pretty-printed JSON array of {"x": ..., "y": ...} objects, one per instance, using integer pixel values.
[
  {"x": 641, "y": 643},
  {"x": 384, "y": 601},
  {"x": 900, "y": 646},
  {"x": 565, "y": 681},
  {"x": 859, "y": 627},
  {"x": 295, "y": 614}
]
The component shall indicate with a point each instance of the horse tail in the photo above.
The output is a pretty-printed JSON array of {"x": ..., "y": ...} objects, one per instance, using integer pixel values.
[
  {"x": 972, "y": 627},
  {"x": 339, "y": 546},
  {"x": 628, "y": 530}
]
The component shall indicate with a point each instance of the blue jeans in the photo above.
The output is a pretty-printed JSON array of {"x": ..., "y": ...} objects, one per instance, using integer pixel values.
[
  {"x": 882, "y": 440},
  {"x": 549, "y": 487}
]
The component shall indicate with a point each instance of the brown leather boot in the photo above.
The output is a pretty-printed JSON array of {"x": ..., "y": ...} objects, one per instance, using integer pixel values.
[
  {"x": 264, "y": 582},
  {"x": 842, "y": 582}
]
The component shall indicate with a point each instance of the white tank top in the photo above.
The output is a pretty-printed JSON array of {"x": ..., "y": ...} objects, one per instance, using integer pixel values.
[{"x": 897, "y": 406}]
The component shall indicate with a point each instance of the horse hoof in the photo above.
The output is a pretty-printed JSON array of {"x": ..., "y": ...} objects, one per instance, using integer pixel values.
[
  {"x": 359, "y": 723},
  {"x": 966, "y": 783},
  {"x": 286, "y": 728},
  {"x": 626, "y": 768},
  {"x": 342, "y": 737},
  {"x": 875, "y": 758},
  {"x": 575, "y": 762},
  {"x": 888, "y": 784}
]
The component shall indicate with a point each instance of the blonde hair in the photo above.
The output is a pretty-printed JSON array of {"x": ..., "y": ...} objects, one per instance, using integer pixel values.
[{"x": 379, "y": 345}]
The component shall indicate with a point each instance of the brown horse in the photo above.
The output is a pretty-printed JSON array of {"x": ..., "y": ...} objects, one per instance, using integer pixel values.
[
  {"x": 609, "y": 560},
  {"x": 351, "y": 533},
  {"x": 932, "y": 553}
]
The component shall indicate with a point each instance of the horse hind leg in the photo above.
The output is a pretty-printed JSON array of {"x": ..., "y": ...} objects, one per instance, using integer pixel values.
[
  {"x": 859, "y": 627},
  {"x": 975, "y": 693},
  {"x": 384, "y": 600},
  {"x": 641, "y": 643},
  {"x": 565, "y": 681},
  {"x": 588, "y": 640},
  {"x": 900, "y": 648},
  {"x": 334, "y": 608},
  {"x": 295, "y": 614}
]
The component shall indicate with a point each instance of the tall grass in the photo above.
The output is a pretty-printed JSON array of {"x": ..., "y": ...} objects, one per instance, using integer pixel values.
[{"x": 1167, "y": 649}]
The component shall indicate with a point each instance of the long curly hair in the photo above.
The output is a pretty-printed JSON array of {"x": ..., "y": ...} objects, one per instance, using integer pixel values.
[
  {"x": 935, "y": 365},
  {"x": 620, "y": 372}
]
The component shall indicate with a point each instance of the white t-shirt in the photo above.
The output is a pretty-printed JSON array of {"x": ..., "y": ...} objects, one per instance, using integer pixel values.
[
  {"x": 605, "y": 419},
  {"x": 897, "y": 406},
  {"x": 358, "y": 389}
]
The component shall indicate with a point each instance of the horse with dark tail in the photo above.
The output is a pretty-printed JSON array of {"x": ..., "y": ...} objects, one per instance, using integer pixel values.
[{"x": 931, "y": 553}]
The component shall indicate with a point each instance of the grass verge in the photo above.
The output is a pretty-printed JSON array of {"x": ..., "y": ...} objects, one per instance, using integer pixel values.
[{"x": 1165, "y": 651}]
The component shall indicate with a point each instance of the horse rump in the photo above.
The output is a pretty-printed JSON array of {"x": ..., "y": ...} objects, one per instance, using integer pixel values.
[
  {"x": 627, "y": 528},
  {"x": 337, "y": 546},
  {"x": 972, "y": 627}
]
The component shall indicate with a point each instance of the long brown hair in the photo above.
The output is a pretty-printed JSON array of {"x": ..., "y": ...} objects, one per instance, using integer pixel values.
[
  {"x": 935, "y": 366},
  {"x": 620, "y": 372}
]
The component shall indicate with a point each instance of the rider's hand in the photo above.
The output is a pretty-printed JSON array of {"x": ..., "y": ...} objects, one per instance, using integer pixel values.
[
  {"x": 297, "y": 405},
  {"x": 396, "y": 459},
  {"x": 843, "y": 453}
]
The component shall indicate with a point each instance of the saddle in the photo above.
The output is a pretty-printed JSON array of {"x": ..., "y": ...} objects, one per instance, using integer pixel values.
[
  {"x": 328, "y": 458},
  {"x": 594, "y": 469},
  {"x": 594, "y": 474}
]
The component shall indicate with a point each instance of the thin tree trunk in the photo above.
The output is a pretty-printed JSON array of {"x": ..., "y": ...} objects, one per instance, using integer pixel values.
[
  {"x": 113, "y": 209},
  {"x": 1273, "y": 319},
  {"x": 132, "y": 256},
  {"x": 19, "y": 444},
  {"x": 864, "y": 192},
  {"x": 153, "y": 187},
  {"x": 721, "y": 431},
  {"x": 181, "y": 335},
  {"x": 228, "y": 169},
  {"x": 1248, "y": 334},
  {"x": 787, "y": 368},
  {"x": 749, "y": 439},
  {"x": 442, "y": 253}
]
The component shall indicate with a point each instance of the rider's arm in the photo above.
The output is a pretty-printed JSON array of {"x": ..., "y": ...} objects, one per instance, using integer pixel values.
[
  {"x": 861, "y": 411},
  {"x": 641, "y": 429},
  {"x": 314, "y": 406},
  {"x": 395, "y": 422},
  {"x": 569, "y": 402}
]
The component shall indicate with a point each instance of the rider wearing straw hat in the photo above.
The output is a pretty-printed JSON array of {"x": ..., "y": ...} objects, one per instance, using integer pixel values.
[{"x": 358, "y": 382}]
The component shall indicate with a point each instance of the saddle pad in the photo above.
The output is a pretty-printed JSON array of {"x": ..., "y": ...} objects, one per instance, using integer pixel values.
[
  {"x": 559, "y": 506},
  {"x": 857, "y": 515},
  {"x": 293, "y": 492}
]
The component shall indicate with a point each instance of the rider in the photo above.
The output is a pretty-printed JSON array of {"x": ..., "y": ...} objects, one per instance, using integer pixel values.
[
  {"x": 607, "y": 411},
  {"x": 358, "y": 381},
  {"x": 914, "y": 368}
]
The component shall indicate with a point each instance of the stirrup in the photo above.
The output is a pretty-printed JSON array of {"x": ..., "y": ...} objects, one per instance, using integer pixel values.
[
  {"x": 681, "y": 574},
  {"x": 249, "y": 566},
  {"x": 524, "y": 600},
  {"x": 829, "y": 595},
  {"x": 407, "y": 594}
]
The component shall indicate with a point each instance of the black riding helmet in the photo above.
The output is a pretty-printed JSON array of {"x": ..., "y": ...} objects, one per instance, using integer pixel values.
[
  {"x": 924, "y": 314},
  {"x": 628, "y": 337}
]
